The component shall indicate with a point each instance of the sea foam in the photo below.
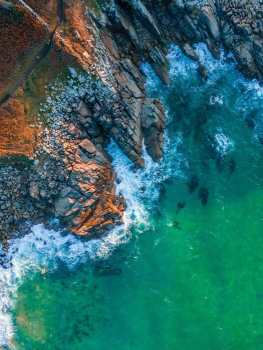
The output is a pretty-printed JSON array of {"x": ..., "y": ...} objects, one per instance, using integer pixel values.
[
  {"x": 42, "y": 249},
  {"x": 224, "y": 144}
]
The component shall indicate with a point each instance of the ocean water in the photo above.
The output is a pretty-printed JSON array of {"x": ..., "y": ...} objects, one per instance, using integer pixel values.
[{"x": 185, "y": 272}]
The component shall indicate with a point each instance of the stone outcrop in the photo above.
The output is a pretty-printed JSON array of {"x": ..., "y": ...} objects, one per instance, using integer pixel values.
[
  {"x": 153, "y": 123},
  {"x": 72, "y": 178},
  {"x": 235, "y": 24}
]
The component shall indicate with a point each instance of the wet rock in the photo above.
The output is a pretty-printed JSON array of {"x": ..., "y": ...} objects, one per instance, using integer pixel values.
[
  {"x": 160, "y": 64},
  {"x": 209, "y": 18},
  {"x": 153, "y": 123},
  {"x": 39, "y": 221},
  {"x": 189, "y": 52},
  {"x": 74, "y": 181},
  {"x": 201, "y": 69}
]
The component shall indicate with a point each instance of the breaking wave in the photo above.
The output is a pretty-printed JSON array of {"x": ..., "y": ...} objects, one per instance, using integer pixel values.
[
  {"x": 43, "y": 249},
  {"x": 39, "y": 251},
  {"x": 224, "y": 144}
]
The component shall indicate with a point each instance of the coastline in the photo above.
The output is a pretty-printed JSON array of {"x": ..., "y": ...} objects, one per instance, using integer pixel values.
[
  {"x": 161, "y": 241},
  {"x": 72, "y": 177}
]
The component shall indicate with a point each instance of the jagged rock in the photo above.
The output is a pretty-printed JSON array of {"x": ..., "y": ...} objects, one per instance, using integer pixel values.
[
  {"x": 34, "y": 192},
  {"x": 88, "y": 148},
  {"x": 75, "y": 179},
  {"x": 201, "y": 69},
  {"x": 141, "y": 12},
  {"x": 112, "y": 46},
  {"x": 100, "y": 217},
  {"x": 83, "y": 109},
  {"x": 210, "y": 20},
  {"x": 129, "y": 30},
  {"x": 189, "y": 52},
  {"x": 160, "y": 64},
  {"x": 153, "y": 123}
]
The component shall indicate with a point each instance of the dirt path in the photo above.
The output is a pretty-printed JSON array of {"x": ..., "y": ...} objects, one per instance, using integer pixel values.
[{"x": 43, "y": 53}]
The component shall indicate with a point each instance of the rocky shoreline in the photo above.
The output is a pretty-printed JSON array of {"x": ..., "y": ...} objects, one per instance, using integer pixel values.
[{"x": 71, "y": 177}]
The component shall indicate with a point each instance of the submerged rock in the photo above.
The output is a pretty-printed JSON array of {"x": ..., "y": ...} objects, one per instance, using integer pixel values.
[
  {"x": 177, "y": 225},
  {"x": 73, "y": 178},
  {"x": 106, "y": 271},
  {"x": 193, "y": 183},
  {"x": 180, "y": 206},
  {"x": 203, "y": 195},
  {"x": 220, "y": 162},
  {"x": 232, "y": 166}
]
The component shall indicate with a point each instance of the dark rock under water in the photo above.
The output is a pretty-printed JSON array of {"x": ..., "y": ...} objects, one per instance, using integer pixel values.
[
  {"x": 100, "y": 271},
  {"x": 232, "y": 166},
  {"x": 203, "y": 195},
  {"x": 193, "y": 183},
  {"x": 180, "y": 206},
  {"x": 220, "y": 162}
]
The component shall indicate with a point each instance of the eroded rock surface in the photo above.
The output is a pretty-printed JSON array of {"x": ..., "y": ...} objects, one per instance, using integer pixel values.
[{"x": 72, "y": 177}]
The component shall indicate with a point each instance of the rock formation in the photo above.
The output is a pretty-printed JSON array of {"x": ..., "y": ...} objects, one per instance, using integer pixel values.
[{"x": 74, "y": 117}]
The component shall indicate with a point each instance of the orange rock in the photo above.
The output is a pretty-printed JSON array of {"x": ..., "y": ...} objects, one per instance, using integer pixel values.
[
  {"x": 16, "y": 136},
  {"x": 101, "y": 218}
]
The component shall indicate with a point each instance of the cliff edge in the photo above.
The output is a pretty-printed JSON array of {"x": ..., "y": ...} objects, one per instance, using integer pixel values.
[{"x": 70, "y": 81}]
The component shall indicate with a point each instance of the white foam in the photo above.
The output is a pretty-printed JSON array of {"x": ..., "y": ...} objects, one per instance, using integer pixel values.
[
  {"x": 42, "y": 249},
  {"x": 216, "y": 100},
  {"x": 142, "y": 188},
  {"x": 224, "y": 144},
  {"x": 33, "y": 254}
]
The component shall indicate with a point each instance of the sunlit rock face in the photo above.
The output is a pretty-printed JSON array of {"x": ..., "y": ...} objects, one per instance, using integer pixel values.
[{"x": 73, "y": 70}]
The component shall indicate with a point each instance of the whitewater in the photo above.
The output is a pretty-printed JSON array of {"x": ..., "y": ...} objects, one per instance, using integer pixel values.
[{"x": 42, "y": 249}]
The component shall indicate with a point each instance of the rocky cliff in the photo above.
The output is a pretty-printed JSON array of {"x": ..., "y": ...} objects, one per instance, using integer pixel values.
[{"x": 73, "y": 70}]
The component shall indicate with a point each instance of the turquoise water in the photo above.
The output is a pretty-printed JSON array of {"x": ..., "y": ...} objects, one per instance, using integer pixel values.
[{"x": 186, "y": 271}]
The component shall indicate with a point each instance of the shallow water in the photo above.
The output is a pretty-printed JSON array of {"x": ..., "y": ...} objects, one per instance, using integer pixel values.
[{"x": 186, "y": 271}]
